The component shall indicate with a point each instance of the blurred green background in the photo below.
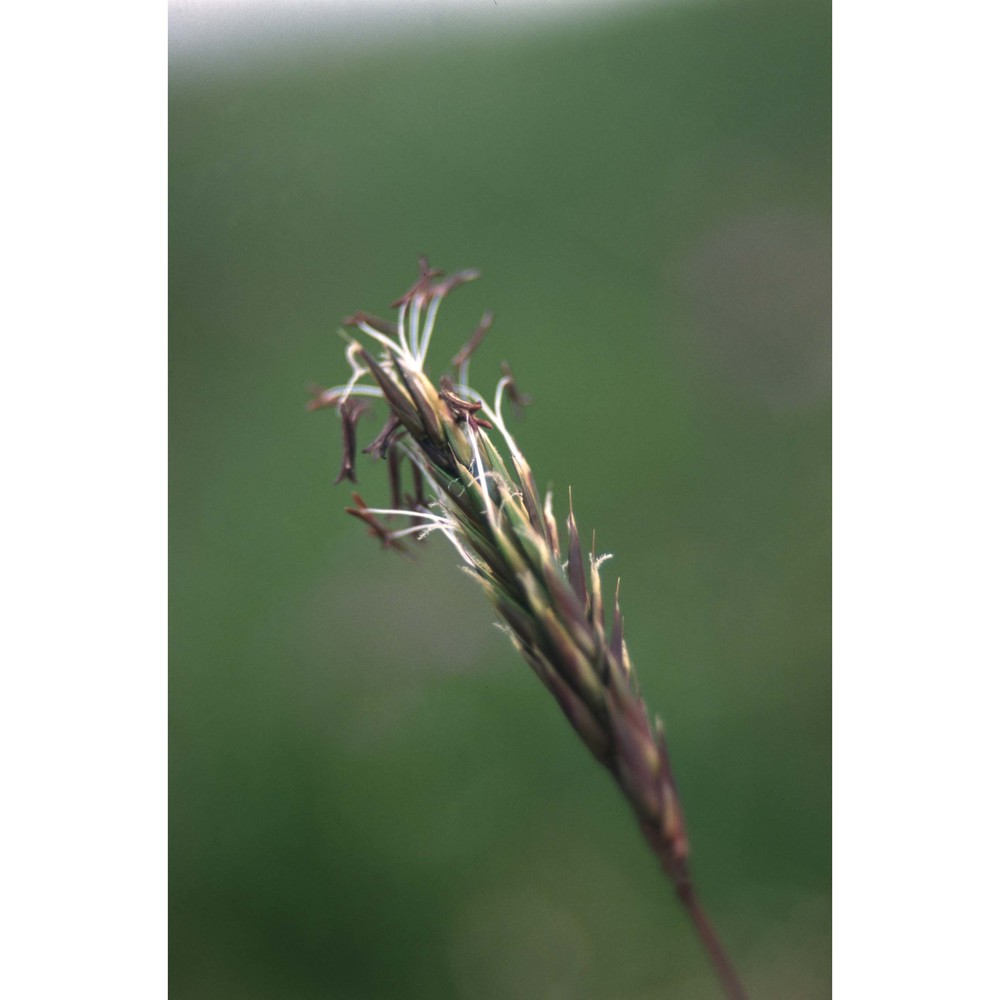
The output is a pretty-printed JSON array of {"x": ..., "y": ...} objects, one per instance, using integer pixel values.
[{"x": 371, "y": 796}]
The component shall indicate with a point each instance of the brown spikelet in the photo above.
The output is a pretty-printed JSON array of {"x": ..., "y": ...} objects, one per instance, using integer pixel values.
[
  {"x": 402, "y": 406},
  {"x": 576, "y": 575},
  {"x": 617, "y": 641},
  {"x": 596, "y": 601},
  {"x": 551, "y": 528}
]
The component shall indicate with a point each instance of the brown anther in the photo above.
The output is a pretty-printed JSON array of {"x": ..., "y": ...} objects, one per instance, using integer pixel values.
[
  {"x": 419, "y": 498},
  {"x": 474, "y": 341},
  {"x": 375, "y": 322},
  {"x": 448, "y": 394},
  {"x": 518, "y": 399},
  {"x": 395, "y": 458},
  {"x": 382, "y": 443},
  {"x": 420, "y": 285},
  {"x": 320, "y": 400},
  {"x": 375, "y": 527},
  {"x": 350, "y": 414},
  {"x": 447, "y": 286},
  {"x": 461, "y": 409}
]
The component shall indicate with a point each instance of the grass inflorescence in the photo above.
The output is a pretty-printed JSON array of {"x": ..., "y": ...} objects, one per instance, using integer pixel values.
[{"x": 455, "y": 468}]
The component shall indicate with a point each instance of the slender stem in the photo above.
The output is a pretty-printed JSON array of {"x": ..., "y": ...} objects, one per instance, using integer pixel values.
[
  {"x": 678, "y": 872},
  {"x": 710, "y": 940}
]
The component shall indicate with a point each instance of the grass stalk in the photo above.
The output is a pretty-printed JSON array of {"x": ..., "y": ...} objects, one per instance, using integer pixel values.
[{"x": 472, "y": 484}]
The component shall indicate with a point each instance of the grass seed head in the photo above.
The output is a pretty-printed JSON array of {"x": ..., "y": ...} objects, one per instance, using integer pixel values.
[{"x": 473, "y": 484}]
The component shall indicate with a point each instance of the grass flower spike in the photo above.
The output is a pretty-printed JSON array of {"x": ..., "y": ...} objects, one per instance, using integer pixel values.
[{"x": 455, "y": 468}]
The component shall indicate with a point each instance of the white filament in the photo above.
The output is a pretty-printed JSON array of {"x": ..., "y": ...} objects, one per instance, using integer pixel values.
[
  {"x": 393, "y": 512},
  {"x": 414, "y": 326},
  {"x": 328, "y": 395},
  {"x": 401, "y": 324},
  {"x": 385, "y": 341},
  {"x": 481, "y": 476},
  {"x": 425, "y": 339}
]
